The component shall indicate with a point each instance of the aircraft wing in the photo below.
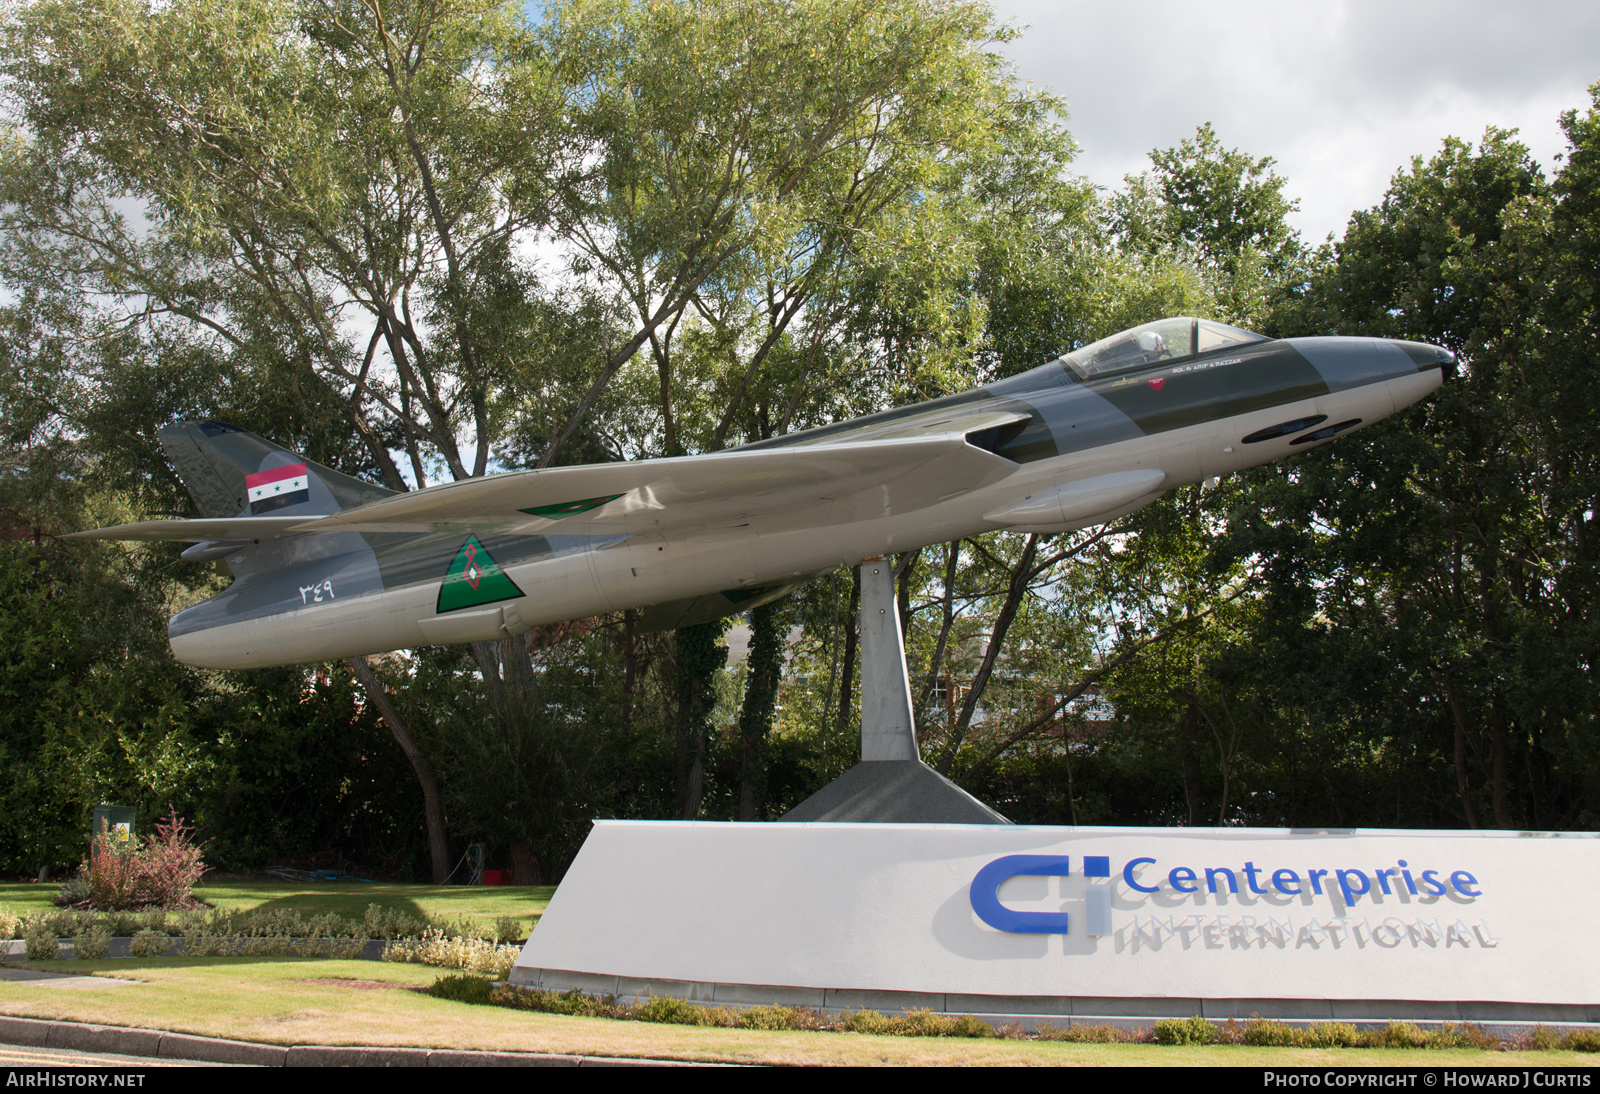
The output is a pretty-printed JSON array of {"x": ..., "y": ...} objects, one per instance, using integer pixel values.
[{"x": 777, "y": 487}]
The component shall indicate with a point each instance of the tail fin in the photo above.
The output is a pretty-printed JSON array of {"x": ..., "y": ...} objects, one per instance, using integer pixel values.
[{"x": 232, "y": 473}]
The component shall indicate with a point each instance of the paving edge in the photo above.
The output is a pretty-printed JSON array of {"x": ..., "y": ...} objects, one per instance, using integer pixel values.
[{"x": 126, "y": 1041}]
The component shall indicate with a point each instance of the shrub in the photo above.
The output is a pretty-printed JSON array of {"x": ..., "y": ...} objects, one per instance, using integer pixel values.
[
  {"x": 391, "y": 923},
  {"x": 198, "y": 941},
  {"x": 1402, "y": 1035},
  {"x": 1539, "y": 1039},
  {"x": 10, "y": 927},
  {"x": 865, "y": 1021},
  {"x": 664, "y": 1008},
  {"x": 508, "y": 928},
  {"x": 1265, "y": 1033},
  {"x": 161, "y": 870},
  {"x": 148, "y": 943},
  {"x": 1089, "y": 1035},
  {"x": 75, "y": 890},
  {"x": 439, "y": 949},
  {"x": 462, "y": 989},
  {"x": 1331, "y": 1035},
  {"x": 42, "y": 944},
  {"x": 1582, "y": 1040},
  {"x": 925, "y": 1023},
  {"x": 1185, "y": 1031},
  {"x": 92, "y": 943},
  {"x": 1466, "y": 1035},
  {"x": 573, "y": 1003},
  {"x": 62, "y": 924},
  {"x": 780, "y": 1016}
]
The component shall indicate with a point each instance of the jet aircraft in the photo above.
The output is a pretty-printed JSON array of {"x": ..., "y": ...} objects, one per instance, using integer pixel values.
[{"x": 328, "y": 566}]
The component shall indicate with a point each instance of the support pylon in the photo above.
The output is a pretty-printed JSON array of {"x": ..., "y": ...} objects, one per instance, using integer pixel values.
[{"x": 891, "y": 784}]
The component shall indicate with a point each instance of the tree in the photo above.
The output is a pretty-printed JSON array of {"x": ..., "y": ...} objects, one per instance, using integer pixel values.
[
  {"x": 1225, "y": 211},
  {"x": 1454, "y": 540}
]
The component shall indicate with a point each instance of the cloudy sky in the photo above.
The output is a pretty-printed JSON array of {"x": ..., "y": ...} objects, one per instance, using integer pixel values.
[{"x": 1341, "y": 93}]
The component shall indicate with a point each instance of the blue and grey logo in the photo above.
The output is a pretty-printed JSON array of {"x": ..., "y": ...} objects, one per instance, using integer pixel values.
[
  {"x": 985, "y": 894},
  {"x": 1345, "y": 887}
]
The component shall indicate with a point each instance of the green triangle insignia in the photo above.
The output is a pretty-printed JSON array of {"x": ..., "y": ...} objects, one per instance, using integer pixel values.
[{"x": 474, "y": 578}]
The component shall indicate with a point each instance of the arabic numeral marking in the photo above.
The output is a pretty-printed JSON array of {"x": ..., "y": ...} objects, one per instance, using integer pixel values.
[{"x": 312, "y": 594}]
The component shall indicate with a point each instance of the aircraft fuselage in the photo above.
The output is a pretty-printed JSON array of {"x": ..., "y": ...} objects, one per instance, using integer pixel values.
[{"x": 1080, "y": 448}]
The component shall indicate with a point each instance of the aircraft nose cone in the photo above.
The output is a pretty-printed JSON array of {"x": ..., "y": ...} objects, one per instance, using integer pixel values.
[{"x": 1429, "y": 356}]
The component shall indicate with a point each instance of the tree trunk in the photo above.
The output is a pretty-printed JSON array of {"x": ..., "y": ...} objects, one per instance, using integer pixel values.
[
  {"x": 1191, "y": 759},
  {"x": 526, "y": 867},
  {"x": 1462, "y": 788},
  {"x": 700, "y": 655},
  {"x": 432, "y": 807},
  {"x": 1500, "y": 742},
  {"x": 1021, "y": 574},
  {"x": 760, "y": 700},
  {"x": 902, "y": 594},
  {"x": 630, "y": 663},
  {"x": 947, "y": 617},
  {"x": 852, "y": 629}
]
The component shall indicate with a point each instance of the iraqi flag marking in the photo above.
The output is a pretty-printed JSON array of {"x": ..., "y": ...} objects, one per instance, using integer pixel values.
[{"x": 277, "y": 487}]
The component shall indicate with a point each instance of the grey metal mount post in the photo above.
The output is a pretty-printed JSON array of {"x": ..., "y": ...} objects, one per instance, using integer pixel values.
[
  {"x": 888, "y": 731},
  {"x": 891, "y": 784}
]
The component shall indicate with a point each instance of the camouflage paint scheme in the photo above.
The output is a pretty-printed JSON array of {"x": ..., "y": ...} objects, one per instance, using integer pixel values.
[{"x": 1059, "y": 447}]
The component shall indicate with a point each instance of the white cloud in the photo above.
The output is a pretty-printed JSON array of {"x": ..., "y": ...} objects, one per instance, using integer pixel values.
[{"x": 1341, "y": 94}]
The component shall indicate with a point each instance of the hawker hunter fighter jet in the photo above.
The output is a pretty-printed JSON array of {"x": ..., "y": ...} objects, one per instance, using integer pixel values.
[{"x": 328, "y": 566}]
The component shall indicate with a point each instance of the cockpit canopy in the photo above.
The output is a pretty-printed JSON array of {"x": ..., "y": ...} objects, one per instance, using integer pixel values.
[{"x": 1163, "y": 340}]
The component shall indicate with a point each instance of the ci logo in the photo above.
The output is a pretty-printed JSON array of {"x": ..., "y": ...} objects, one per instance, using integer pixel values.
[{"x": 984, "y": 893}]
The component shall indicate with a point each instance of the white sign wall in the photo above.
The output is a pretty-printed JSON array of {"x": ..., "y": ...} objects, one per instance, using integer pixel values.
[{"x": 1104, "y": 912}]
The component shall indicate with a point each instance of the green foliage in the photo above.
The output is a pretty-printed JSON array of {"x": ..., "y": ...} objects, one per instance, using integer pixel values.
[
  {"x": 1089, "y": 1035},
  {"x": 1184, "y": 1031},
  {"x": 1395, "y": 629},
  {"x": 1261, "y": 1031},
  {"x": 92, "y": 943},
  {"x": 149, "y": 943},
  {"x": 1225, "y": 212},
  {"x": 527, "y": 741},
  {"x": 573, "y": 1003},
  {"x": 1463, "y": 1035},
  {"x": 390, "y": 923},
  {"x": 200, "y": 932},
  {"x": 660, "y": 1008},
  {"x": 1582, "y": 1040},
  {"x": 462, "y": 989},
  {"x": 74, "y": 891},
  {"x": 1330, "y": 1035},
  {"x": 1402, "y": 1035},
  {"x": 1256, "y": 1031},
  {"x": 452, "y": 949},
  {"x": 1542, "y": 1037},
  {"x": 664, "y": 1008},
  {"x": 779, "y": 1016},
  {"x": 158, "y": 871},
  {"x": 41, "y": 943}
]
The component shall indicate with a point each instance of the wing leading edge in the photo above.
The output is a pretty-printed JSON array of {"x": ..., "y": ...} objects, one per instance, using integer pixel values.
[{"x": 780, "y": 487}]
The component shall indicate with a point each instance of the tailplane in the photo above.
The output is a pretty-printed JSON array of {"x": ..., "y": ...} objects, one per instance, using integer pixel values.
[{"x": 233, "y": 473}]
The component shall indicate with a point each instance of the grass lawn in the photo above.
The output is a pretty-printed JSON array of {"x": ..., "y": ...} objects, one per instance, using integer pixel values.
[
  {"x": 484, "y": 903},
  {"x": 294, "y": 1001}
]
